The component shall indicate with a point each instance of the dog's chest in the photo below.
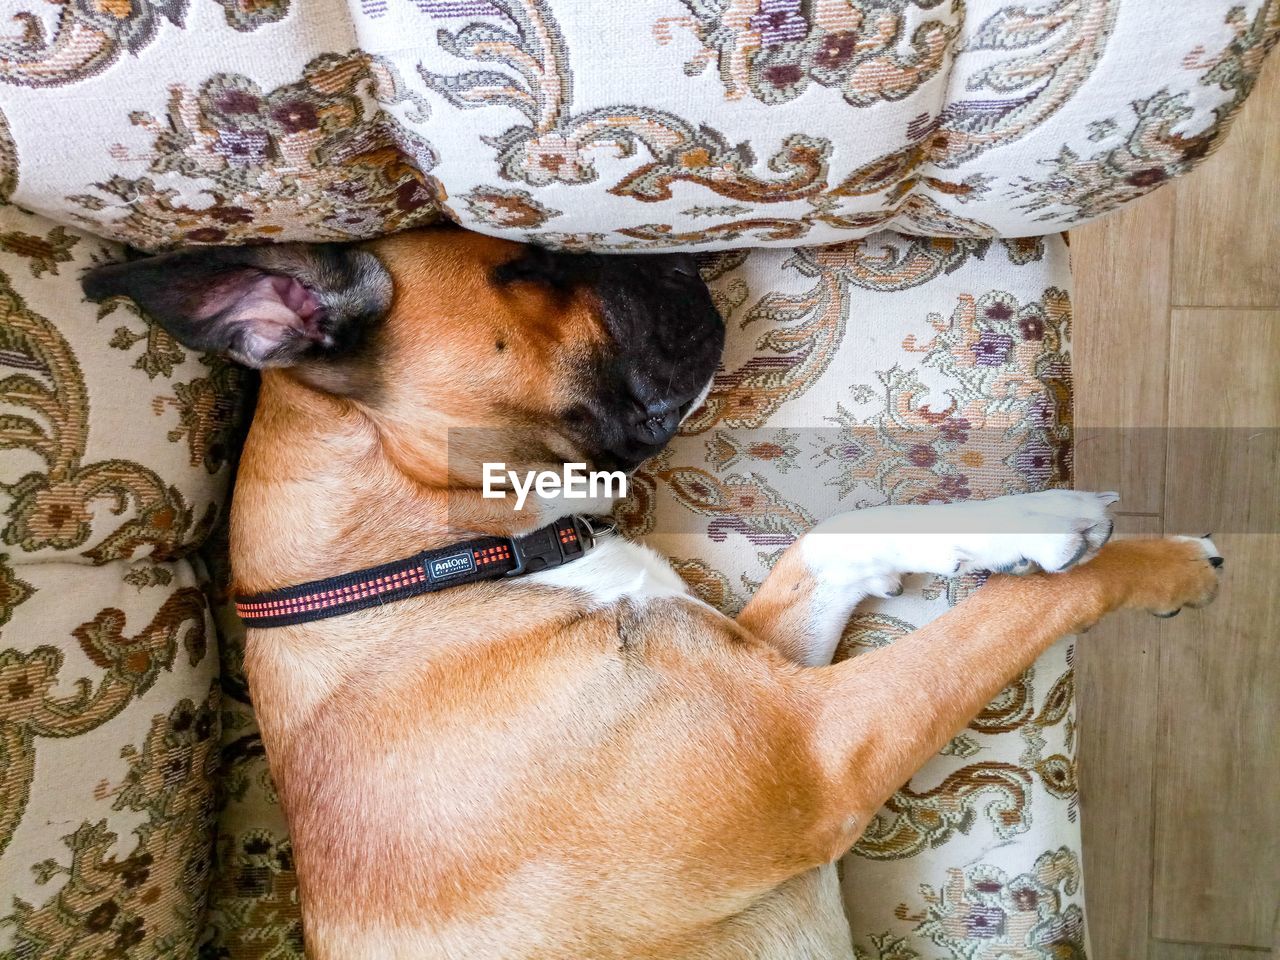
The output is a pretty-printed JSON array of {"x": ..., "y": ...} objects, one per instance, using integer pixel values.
[{"x": 617, "y": 571}]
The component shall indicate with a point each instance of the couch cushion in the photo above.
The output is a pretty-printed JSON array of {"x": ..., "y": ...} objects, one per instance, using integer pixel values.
[
  {"x": 663, "y": 123},
  {"x": 113, "y": 468},
  {"x": 109, "y": 711},
  {"x": 114, "y": 440}
]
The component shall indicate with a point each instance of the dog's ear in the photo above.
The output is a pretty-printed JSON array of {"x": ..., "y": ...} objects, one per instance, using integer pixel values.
[{"x": 265, "y": 306}]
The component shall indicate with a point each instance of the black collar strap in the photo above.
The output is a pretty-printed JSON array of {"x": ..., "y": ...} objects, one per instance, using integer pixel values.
[{"x": 485, "y": 558}]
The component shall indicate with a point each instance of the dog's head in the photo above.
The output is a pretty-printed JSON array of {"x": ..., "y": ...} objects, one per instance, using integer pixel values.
[{"x": 519, "y": 354}]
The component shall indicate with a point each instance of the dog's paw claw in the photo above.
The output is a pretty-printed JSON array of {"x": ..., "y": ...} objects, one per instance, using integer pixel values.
[{"x": 886, "y": 586}]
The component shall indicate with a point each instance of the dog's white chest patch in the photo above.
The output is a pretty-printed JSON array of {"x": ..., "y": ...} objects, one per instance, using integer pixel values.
[{"x": 617, "y": 570}]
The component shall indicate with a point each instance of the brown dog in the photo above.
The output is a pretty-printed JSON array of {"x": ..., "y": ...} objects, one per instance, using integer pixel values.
[{"x": 586, "y": 762}]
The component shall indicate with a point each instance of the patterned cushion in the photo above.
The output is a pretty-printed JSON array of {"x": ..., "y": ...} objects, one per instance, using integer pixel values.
[
  {"x": 713, "y": 123},
  {"x": 113, "y": 447}
]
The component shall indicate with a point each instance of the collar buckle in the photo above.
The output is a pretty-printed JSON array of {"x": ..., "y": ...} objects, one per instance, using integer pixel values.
[{"x": 539, "y": 550}]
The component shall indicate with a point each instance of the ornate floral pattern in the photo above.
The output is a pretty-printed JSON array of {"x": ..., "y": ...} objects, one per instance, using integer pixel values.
[
  {"x": 507, "y": 209},
  {"x": 53, "y": 508},
  {"x": 108, "y": 704},
  {"x": 558, "y": 146},
  {"x": 773, "y": 49},
  {"x": 91, "y": 35},
  {"x": 983, "y": 913},
  {"x": 113, "y": 908},
  {"x": 712, "y": 122},
  {"x": 1145, "y": 151},
  {"x": 308, "y": 160},
  {"x": 1060, "y": 46},
  {"x": 8, "y": 162}
]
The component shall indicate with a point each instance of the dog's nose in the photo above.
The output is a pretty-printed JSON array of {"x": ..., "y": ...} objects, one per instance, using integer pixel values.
[
  {"x": 659, "y": 422},
  {"x": 666, "y": 339}
]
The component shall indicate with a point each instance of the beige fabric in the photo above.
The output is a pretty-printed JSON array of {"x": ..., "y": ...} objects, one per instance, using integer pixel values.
[
  {"x": 711, "y": 123},
  {"x": 112, "y": 466}
]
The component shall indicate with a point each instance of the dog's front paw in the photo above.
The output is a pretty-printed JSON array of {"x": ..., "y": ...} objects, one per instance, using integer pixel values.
[
  {"x": 1052, "y": 530},
  {"x": 1161, "y": 576},
  {"x": 1186, "y": 573}
]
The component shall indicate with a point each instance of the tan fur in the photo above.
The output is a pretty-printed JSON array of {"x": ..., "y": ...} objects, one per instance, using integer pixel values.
[{"x": 502, "y": 770}]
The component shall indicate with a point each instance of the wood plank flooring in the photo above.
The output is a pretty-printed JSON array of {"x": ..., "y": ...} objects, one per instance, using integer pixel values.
[{"x": 1177, "y": 324}]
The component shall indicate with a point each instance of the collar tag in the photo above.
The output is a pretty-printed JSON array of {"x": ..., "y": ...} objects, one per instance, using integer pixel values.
[{"x": 454, "y": 565}]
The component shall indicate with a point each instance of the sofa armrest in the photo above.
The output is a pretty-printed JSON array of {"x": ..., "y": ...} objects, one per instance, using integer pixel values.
[{"x": 666, "y": 123}]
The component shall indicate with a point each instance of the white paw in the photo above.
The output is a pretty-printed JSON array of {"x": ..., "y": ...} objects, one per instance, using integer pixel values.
[
  {"x": 1052, "y": 530},
  {"x": 1210, "y": 549}
]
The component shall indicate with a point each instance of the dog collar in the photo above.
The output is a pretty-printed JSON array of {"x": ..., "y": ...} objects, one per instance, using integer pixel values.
[{"x": 470, "y": 561}]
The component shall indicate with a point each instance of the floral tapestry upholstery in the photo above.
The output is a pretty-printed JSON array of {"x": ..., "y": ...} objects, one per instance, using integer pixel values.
[
  {"x": 660, "y": 123},
  {"x": 113, "y": 469}
]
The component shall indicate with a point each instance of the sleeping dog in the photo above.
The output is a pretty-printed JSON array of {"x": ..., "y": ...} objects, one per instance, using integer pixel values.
[{"x": 498, "y": 734}]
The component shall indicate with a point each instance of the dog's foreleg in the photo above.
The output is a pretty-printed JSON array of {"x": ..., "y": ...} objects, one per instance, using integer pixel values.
[
  {"x": 880, "y": 716},
  {"x": 802, "y": 607}
]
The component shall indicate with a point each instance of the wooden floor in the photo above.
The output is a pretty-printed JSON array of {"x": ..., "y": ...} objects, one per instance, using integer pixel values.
[{"x": 1178, "y": 325}]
